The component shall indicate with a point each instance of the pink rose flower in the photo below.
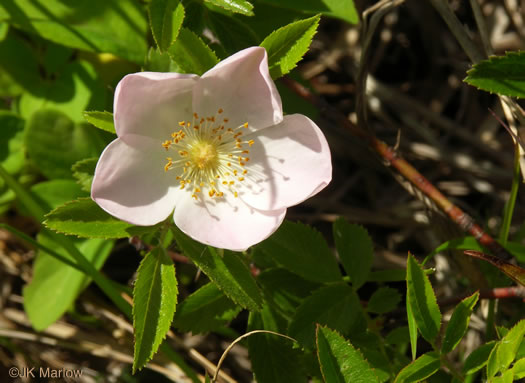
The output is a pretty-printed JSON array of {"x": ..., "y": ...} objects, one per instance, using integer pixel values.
[{"x": 213, "y": 150}]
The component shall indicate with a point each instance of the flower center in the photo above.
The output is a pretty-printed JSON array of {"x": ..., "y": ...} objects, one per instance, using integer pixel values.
[
  {"x": 203, "y": 155},
  {"x": 209, "y": 156}
]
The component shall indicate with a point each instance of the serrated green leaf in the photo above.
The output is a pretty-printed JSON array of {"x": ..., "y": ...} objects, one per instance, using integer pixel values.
[
  {"x": 509, "y": 345},
  {"x": 233, "y": 34},
  {"x": 73, "y": 89},
  {"x": 383, "y": 300},
  {"x": 55, "y": 143},
  {"x": 84, "y": 218},
  {"x": 503, "y": 75},
  {"x": 287, "y": 45},
  {"x": 236, "y": 6},
  {"x": 420, "y": 369},
  {"x": 458, "y": 324},
  {"x": 51, "y": 194},
  {"x": 55, "y": 285},
  {"x": 207, "y": 309},
  {"x": 355, "y": 250},
  {"x": 271, "y": 355},
  {"x": 336, "y": 306},
  {"x": 344, "y": 10},
  {"x": 340, "y": 361},
  {"x": 191, "y": 54},
  {"x": 412, "y": 329},
  {"x": 114, "y": 26},
  {"x": 158, "y": 61},
  {"x": 506, "y": 377},
  {"x": 380, "y": 363},
  {"x": 154, "y": 303},
  {"x": 422, "y": 301},
  {"x": 229, "y": 272},
  {"x": 303, "y": 251},
  {"x": 398, "y": 336},
  {"x": 493, "y": 364},
  {"x": 83, "y": 172},
  {"x": 285, "y": 290},
  {"x": 101, "y": 120},
  {"x": 166, "y": 18},
  {"x": 501, "y": 331},
  {"x": 478, "y": 358},
  {"x": 518, "y": 370}
]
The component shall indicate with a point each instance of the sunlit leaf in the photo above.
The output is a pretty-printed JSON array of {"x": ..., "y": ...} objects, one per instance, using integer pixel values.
[
  {"x": 102, "y": 120},
  {"x": 166, "y": 18},
  {"x": 287, "y": 45},
  {"x": 422, "y": 301},
  {"x": 84, "y": 218},
  {"x": 500, "y": 74},
  {"x": 340, "y": 361},
  {"x": 421, "y": 368},
  {"x": 228, "y": 271},
  {"x": 115, "y": 26},
  {"x": 237, "y": 6},
  {"x": 191, "y": 54},
  {"x": 458, "y": 324},
  {"x": 154, "y": 303}
]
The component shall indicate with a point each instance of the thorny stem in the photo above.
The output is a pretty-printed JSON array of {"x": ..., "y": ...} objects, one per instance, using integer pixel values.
[{"x": 462, "y": 219}]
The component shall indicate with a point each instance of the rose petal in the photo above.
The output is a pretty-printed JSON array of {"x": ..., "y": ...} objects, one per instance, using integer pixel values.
[
  {"x": 150, "y": 104},
  {"x": 226, "y": 223},
  {"x": 130, "y": 183},
  {"x": 289, "y": 162},
  {"x": 240, "y": 85}
]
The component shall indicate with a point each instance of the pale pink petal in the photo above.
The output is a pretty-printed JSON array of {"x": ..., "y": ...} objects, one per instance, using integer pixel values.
[
  {"x": 130, "y": 183},
  {"x": 240, "y": 85},
  {"x": 289, "y": 162},
  {"x": 150, "y": 104},
  {"x": 226, "y": 223}
]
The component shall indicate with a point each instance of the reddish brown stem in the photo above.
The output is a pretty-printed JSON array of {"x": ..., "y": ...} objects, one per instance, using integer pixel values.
[
  {"x": 496, "y": 293},
  {"x": 408, "y": 171}
]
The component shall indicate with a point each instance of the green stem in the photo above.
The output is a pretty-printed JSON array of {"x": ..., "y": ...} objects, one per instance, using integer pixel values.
[
  {"x": 511, "y": 203},
  {"x": 489, "y": 331},
  {"x": 451, "y": 368},
  {"x": 37, "y": 245},
  {"x": 470, "y": 378}
]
